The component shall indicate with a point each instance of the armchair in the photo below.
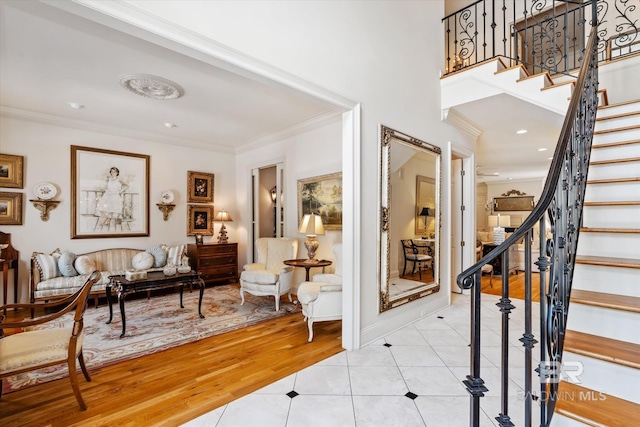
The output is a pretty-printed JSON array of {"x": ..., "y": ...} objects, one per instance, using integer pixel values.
[
  {"x": 321, "y": 299},
  {"x": 34, "y": 349},
  {"x": 269, "y": 276},
  {"x": 412, "y": 254}
]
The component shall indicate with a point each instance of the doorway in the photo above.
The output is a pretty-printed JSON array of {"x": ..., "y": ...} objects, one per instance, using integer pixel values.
[{"x": 267, "y": 206}]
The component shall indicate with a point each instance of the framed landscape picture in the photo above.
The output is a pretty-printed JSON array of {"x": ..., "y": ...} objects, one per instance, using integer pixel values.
[
  {"x": 11, "y": 168},
  {"x": 322, "y": 195},
  {"x": 199, "y": 220},
  {"x": 10, "y": 208},
  {"x": 200, "y": 187},
  {"x": 109, "y": 193}
]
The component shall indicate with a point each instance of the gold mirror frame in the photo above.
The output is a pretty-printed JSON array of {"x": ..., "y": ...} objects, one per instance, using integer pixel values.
[{"x": 397, "y": 221}]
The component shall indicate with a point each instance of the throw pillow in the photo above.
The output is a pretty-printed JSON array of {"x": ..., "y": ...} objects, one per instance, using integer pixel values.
[
  {"x": 84, "y": 265},
  {"x": 47, "y": 264},
  {"x": 174, "y": 254},
  {"x": 142, "y": 261},
  {"x": 65, "y": 264},
  {"x": 159, "y": 256}
]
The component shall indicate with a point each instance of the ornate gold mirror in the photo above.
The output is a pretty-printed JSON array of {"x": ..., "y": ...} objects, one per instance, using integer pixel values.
[{"x": 409, "y": 255}]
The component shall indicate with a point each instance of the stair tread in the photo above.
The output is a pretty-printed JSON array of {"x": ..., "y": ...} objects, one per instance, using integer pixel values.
[
  {"x": 584, "y": 404},
  {"x": 614, "y": 203},
  {"x": 622, "y": 129},
  {"x": 619, "y": 104},
  {"x": 608, "y": 261},
  {"x": 613, "y": 180},
  {"x": 615, "y": 144},
  {"x": 610, "y": 230},
  {"x": 601, "y": 299},
  {"x": 611, "y": 161},
  {"x": 618, "y": 116},
  {"x": 607, "y": 349}
]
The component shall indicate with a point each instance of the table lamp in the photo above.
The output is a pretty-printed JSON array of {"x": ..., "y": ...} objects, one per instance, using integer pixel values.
[
  {"x": 425, "y": 212},
  {"x": 311, "y": 225},
  {"x": 498, "y": 223},
  {"x": 223, "y": 216}
]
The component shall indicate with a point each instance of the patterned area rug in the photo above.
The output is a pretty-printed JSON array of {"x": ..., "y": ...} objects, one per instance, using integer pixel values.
[{"x": 157, "y": 324}]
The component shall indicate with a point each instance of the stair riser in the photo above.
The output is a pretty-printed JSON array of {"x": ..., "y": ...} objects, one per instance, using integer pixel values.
[
  {"x": 614, "y": 170},
  {"x": 627, "y": 135},
  {"x": 616, "y": 152},
  {"x": 600, "y": 376},
  {"x": 618, "y": 122},
  {"x": 609, "y": 244},
  {"x": 631, "y": 107},
  {"x": 611, "y": 192},
  {"x": 600, "y": 278},
  {"x": 560, "y": 420},
  {"x": 607, "y": 216},
  {"x": 604, "y": 322}
]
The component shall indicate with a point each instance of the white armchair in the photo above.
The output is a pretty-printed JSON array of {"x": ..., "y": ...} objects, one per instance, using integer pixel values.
[
  {"x": 321, "y": 299},
  {"x": 268, "y": 275}
]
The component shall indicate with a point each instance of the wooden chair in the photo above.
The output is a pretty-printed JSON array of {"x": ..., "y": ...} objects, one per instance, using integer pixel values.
[
  {"x": 412, "y": 254},
  {"x": 34, "y": 349}
]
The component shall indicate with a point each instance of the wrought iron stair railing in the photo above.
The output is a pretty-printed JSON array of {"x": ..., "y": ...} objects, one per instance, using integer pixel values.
[{"x": 560, "y": 204}]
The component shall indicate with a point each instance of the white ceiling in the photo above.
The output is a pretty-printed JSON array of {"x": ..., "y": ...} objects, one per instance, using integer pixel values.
[{"x": 49, "y": 58}]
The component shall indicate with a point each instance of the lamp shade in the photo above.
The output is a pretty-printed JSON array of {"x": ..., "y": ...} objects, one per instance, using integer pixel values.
[
  {"x": 223, "y": 215},
  {"x": 426, "y": 212},
  {"x": 311, "y": 224},
  {"x": 499, "y": 221}
]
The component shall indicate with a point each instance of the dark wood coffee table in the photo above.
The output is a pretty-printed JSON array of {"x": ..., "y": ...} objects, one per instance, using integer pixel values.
[
  {"x": 155, "y": 280},
  {"x": 307, "y": 265}
]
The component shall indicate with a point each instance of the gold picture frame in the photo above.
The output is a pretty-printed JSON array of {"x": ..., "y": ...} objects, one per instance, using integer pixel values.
[
  {"x": 200, "y": 187},
  {"x": 10, "y": 208},
  {"x": 199, "y": 220},
  {"x": 109, "y": 193},
  {"x": 11, "y": 171},
  {"x": 322, "y": 195}
]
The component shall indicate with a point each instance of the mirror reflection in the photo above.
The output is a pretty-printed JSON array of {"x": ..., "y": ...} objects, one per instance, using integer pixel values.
[{"x": 410, "y": 220}]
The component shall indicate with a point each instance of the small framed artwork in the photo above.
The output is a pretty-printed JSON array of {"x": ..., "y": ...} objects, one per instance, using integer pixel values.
[
  {"x": 198, "y": 239},
  {"x": 199, "y": 220},
  {"x": 322, "y": 195},
  {"x": 11, "y": 168},
  {"x": 200, "y": 187},
  {"x": 10, "y": 208},
  {"x": 109, "y": 193}
]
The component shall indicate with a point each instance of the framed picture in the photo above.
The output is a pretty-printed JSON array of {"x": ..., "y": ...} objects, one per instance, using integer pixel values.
[
  {"x": 199, "y": 220},
  {"x": 10, "y": 208},
  {"x": 200, "y": 187},
  {"x": 322, "y": 195},
  {"x": 109, "y": 193},
  {"x": 513, "y": 203},
  {"x": 11, "y": 168}
]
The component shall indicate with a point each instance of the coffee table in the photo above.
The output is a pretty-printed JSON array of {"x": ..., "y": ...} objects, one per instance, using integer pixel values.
[
  {"x": 155, "y": 280},
  {"x": 307, "y": 265}
]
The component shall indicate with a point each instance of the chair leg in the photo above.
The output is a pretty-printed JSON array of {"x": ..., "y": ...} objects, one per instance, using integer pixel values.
[
  {"x": 83, "y": 367},
  {"x": 277, "y": 302},
  {"x": 310, "y": 330},
  {"x": 73, "y": 376},
  {"x": 1, "y": 388},
  {"x": 404, "y": 270},
  {"x": 242, "y": 296}
]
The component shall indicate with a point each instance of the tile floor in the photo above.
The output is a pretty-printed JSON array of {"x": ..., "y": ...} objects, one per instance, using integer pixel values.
[{"x": 412, "y": 377}]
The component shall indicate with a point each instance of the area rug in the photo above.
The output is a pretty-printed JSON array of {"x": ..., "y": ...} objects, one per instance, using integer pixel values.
[{"x": 156, "y": 324}]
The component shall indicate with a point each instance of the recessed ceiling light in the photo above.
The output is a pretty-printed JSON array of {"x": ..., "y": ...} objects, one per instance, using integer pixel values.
[
  {"x": 521, "y": 131},
  {"x": 170, "y": 125},
  {"x": 549, "y": 158},
  {"x": 76, "y": 106},
  {"x": 509, "y": 179},
  {"x": 542, "y": 149}
]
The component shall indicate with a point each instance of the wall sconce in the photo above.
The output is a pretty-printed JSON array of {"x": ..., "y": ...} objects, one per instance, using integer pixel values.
[
  {"x": 223, "y": 216},
  {"x": 274, "y": 194},
  {"x": 311, "y": 225},
  {"x": 45, "y": 192},
  {"x": 166, "y": 205}
]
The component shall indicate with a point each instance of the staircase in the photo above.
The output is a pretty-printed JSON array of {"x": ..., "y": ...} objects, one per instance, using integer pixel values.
[{"x": 603, "y": 330}]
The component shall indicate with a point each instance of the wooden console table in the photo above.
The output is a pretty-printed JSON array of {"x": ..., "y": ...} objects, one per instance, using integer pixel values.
[
  {"x": 497, "y": 262},
  {"x": 155, "y": 280},
  {"x": 307, "y": 265}
]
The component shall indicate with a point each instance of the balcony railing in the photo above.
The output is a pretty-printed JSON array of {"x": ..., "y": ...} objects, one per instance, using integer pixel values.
[{"x": 543, "y": 35}]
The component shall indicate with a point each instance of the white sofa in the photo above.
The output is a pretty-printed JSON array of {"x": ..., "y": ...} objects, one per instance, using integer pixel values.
[{"x": 62, "y": 273}]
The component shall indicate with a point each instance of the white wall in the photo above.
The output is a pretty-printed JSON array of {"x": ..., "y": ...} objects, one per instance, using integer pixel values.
[
  {"x": 47, "y": 158},
  {"x": 383, "y": 55}
]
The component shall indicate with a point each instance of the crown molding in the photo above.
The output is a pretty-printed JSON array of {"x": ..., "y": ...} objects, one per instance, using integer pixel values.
[{"x": 457, "y": 120}]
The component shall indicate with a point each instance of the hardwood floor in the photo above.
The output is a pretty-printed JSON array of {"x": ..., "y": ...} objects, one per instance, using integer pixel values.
[
  {"x": 174, "y": 386},
  {"x": 516, "y": 285}
]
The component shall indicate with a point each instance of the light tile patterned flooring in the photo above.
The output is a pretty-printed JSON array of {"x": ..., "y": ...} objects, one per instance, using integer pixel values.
[{"x": 412, "y": 377}]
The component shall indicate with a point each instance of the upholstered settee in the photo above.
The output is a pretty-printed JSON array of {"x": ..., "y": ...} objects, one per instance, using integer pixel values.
[{"x": 62, "y": 273}]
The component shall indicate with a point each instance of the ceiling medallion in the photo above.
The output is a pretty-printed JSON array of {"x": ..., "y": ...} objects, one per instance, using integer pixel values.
[{"x": 151, "y": 86}]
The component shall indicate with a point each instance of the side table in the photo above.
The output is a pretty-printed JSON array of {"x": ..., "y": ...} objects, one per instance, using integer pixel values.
[{"x": 307, "y": 265}]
